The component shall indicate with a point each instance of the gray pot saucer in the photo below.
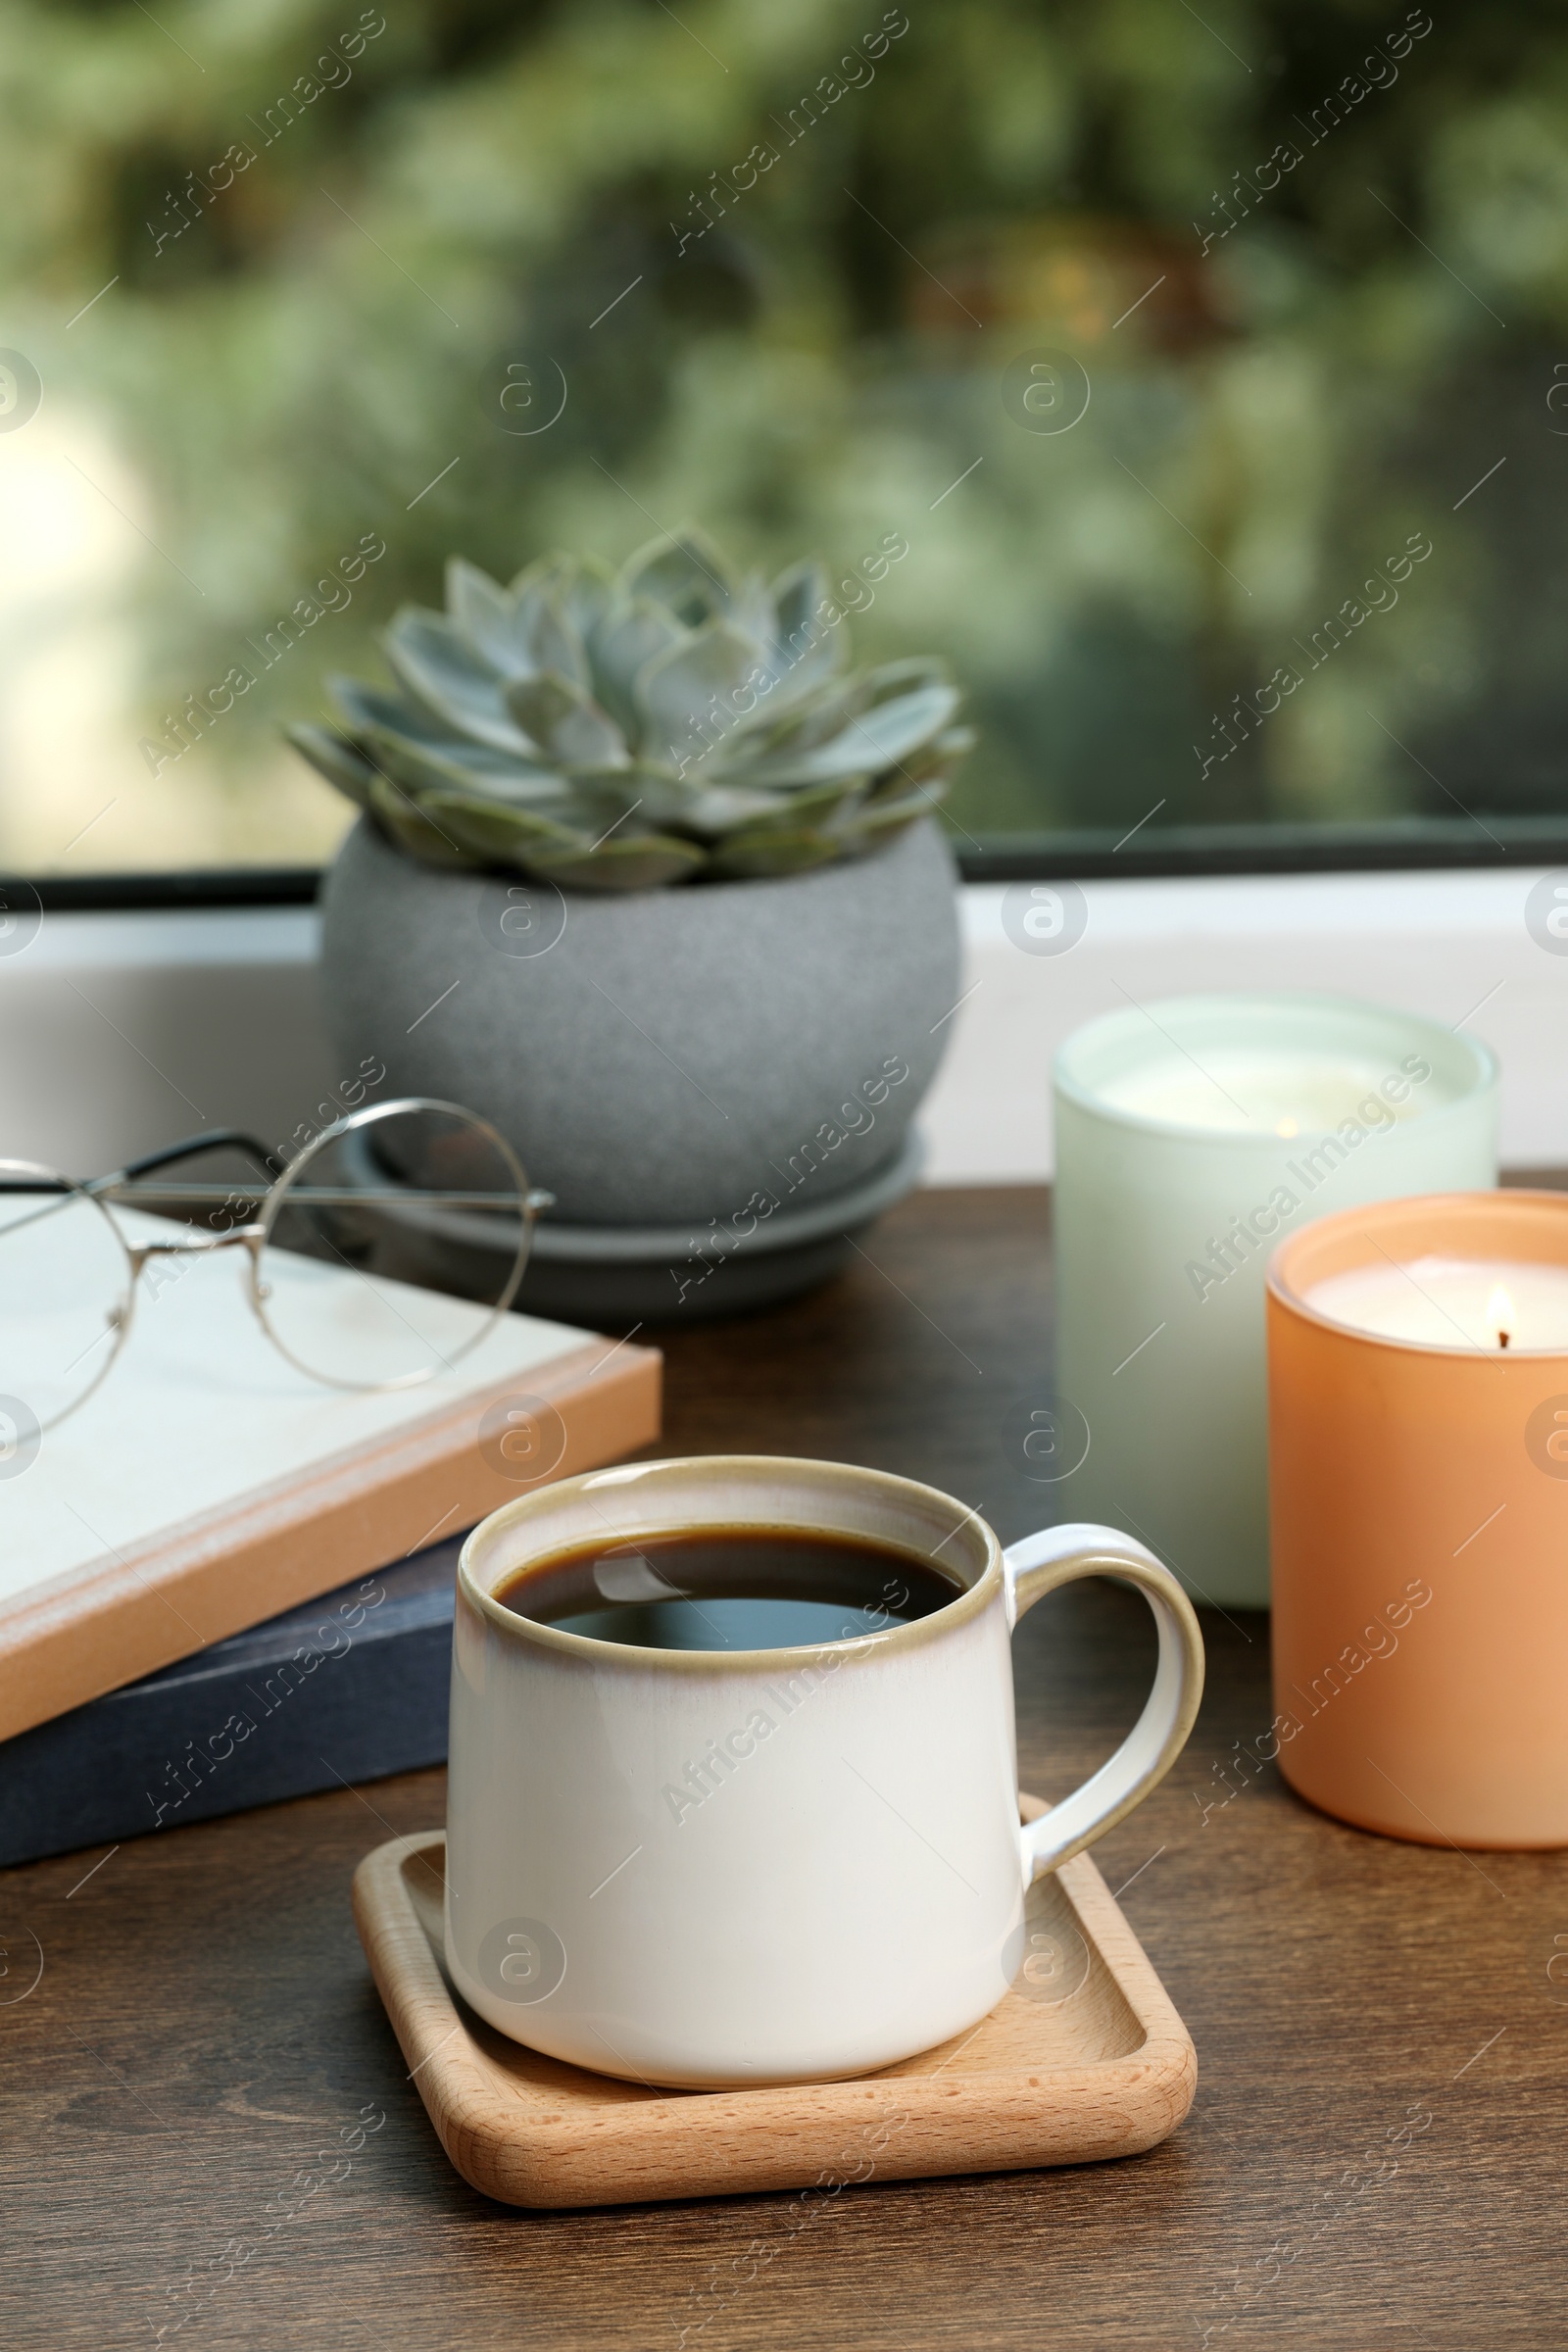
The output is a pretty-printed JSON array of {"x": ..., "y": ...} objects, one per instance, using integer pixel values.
[
  {"x": 622, "y": 1274},
  {"x": 688, "y": 1274}
]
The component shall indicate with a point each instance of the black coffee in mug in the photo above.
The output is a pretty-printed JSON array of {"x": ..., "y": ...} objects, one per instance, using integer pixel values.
[{"x": 728, "y": 1589}]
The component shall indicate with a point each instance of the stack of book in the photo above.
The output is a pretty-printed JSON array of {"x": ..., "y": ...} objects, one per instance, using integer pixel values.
[{"x": 221, "y": 1584}]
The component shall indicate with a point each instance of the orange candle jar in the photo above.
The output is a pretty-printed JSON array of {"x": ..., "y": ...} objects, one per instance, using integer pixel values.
[{"x": 1418, "y": 1492}]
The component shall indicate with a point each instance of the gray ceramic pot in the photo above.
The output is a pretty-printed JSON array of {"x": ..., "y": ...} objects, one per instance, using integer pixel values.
[{"x": 655, "y": 1059}]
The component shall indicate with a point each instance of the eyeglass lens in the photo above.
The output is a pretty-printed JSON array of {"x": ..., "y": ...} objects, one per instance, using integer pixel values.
[
  {"x": 64, "y": 1294},
  {"x": 429, "y": 1271}
]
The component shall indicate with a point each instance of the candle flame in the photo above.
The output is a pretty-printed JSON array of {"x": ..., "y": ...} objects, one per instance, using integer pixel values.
[
  {"x": 1499, "y": 1315},
  {"x": 1287, "y": 1128}
]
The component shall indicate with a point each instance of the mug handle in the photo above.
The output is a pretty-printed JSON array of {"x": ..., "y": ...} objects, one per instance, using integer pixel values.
[{"x": 1057, "y": 1556}]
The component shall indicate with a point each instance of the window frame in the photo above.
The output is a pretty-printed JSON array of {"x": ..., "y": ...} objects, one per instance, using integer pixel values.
[{"x": 1198, "y": 852}]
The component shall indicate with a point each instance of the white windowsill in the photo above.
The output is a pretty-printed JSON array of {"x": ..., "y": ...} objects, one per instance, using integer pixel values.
[
  {"x": 1451, "y": 945},
  {"x": 121, "y": 1031}
]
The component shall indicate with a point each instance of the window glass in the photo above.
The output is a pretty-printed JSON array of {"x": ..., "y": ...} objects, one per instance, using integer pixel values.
[{"x": 1210, "y": 368}]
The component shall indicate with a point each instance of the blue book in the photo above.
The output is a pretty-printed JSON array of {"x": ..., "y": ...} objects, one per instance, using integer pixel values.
[{"x": 350, "y": 1688}]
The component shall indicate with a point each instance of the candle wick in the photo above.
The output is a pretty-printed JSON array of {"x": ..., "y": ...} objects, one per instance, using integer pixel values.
[{"x": 1502, "y": 1339}]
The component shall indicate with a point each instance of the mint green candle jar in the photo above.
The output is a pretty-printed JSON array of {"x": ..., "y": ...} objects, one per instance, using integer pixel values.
[{"x": 1192, "y": 1134}]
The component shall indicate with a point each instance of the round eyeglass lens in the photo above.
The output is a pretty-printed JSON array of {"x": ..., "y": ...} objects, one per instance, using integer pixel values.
[
  {"x": 393, "y": 1243},
  {"x": 65, "y": 1302}
]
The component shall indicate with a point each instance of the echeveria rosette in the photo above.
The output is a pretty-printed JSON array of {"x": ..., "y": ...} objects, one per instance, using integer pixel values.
[{"x": 670, "y": 722}]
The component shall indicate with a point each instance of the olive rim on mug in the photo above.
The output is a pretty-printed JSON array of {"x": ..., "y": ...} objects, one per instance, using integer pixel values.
[{"x": 968, "y": 1601}]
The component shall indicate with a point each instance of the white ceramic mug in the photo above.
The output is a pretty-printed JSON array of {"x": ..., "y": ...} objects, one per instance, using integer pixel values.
[{"x": 713, "y": 1867}]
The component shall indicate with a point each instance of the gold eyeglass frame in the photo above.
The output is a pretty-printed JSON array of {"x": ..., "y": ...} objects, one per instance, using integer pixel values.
[{"x": 282, "y": 1190}]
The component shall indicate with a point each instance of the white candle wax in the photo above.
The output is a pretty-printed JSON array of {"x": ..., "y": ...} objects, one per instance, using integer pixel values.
[
  {"x": 1282, "y": 1093},
  {"x": 1451, "y": 1301},
  {"x": 1193, "y": 1135}
]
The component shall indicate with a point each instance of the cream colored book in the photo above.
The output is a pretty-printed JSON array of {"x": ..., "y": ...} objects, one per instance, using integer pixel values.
[{"x": 207, "y": 1483}]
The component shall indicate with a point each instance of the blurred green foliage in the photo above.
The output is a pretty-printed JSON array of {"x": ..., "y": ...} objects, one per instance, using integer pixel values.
[{"x": 1313, "y": 370}]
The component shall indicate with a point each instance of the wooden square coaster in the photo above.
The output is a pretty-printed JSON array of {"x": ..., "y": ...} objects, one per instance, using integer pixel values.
[{"x": 1084, "y": 2058}]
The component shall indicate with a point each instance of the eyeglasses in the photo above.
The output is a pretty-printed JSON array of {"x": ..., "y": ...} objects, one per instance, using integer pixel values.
[{"x": 384, "y": 1253}]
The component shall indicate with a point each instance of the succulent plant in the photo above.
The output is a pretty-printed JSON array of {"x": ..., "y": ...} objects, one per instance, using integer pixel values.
[{"x": 669, "y": 722}]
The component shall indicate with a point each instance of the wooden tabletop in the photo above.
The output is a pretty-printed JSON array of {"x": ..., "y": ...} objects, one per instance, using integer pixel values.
[{"x": 1375, "y": 2157}]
